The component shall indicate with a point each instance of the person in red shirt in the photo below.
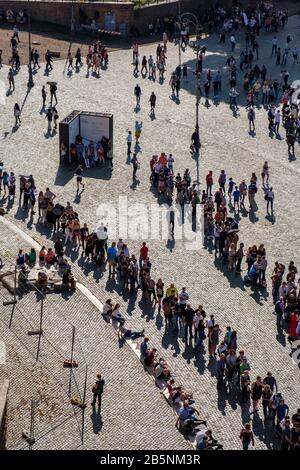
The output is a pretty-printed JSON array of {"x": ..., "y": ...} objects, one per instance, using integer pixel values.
[
  {"x": 143, "y": 252},
  {"x": 209, "y": 183}
]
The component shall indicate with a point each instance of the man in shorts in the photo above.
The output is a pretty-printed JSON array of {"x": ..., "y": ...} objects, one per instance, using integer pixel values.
[
  {"x": 78, "y": 175},
  {"x": 112, "y": 253}
]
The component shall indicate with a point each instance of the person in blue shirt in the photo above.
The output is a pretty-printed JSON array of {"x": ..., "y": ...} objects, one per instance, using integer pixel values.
[
  {"x": 236, "y": 198},
  {"x": 5, "y": 182},
  {"x": 282, "y": 410},
  {"x": 112, "y": 253},
  {"x": 186, "y": 415},
  {"x": 144, "y": 347}
]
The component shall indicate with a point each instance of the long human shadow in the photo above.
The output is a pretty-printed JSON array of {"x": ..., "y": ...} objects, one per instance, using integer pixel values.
[{"x": 66, "y": 172}]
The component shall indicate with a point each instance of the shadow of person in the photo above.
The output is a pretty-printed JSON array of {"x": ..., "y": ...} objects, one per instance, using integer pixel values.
[
  {"x": 171, "y": 243},
  {"x": 292, "y": 156},
  {"x": 15, "y": 128},
  {"x": 96, "y": 420},
  {"x": 252, "y": 133},
  {"x": 134, "y": 184},
  {"x": 137, "y": 108}
]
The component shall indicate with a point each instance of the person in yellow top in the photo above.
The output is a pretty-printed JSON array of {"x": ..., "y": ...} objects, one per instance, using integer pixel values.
[{"x": 172, "y": 290}]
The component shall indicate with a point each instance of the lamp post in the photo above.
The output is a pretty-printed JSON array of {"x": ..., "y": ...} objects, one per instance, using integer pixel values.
[
  {"x": 30, "y": 83},
  {"x": 191, "y": 18},
  {"x": 179, "y": 46}
]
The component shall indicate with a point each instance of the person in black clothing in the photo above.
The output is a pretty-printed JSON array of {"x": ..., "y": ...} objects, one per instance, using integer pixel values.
[
  {"x": 137, "y": 94},
  {"x": 48, "y": 59},
  {"x": 78, "y": 174},
  {"x": 78, "y": 58},
  {"x": 97, "y": 391},
  {"x": 53, "y": 90},
  {"x": 188, "y": 316},
  {"x": 196, "y": 140},
  {"x": 35, "y": 57},
  {"x": 44, "y": 96},
  {"x": 49, "y": 116}
]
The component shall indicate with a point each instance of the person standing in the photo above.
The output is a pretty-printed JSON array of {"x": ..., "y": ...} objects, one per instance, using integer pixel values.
[
  {"x": 277, "y": 119},
  {"x": 129, "y": 142},
  {"x": 98, "y": 391},
  {"x": 36, "y": 57},
  {"x": 44, "y": 96},
  {"x": 11, "y": 80},
  {"x": 196, "y": 140},
  {"x": 135, "y": 165},
  {"x": 256, "y": 393},
  {"x": 209, "y": 183},
  {"x": 53, "y": 90},
  {"x": 251, "y": 119},
  {"x": 49, "y": 118},
  {"x": 55, "y": 117},
  {"x": 78, "y": 175},
  {"x": 137, "y": 94},
  {"x": 270, "y": 199},
  {"x": 152, "y": 102},
  {"x": 246, "y": 436},
  {"x": 17, "y": 114}
]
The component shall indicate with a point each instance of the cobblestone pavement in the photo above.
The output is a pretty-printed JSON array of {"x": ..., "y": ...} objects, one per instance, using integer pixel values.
[
  {"x": 225, "y": 144},
  {"x": 132, "y": 408}
]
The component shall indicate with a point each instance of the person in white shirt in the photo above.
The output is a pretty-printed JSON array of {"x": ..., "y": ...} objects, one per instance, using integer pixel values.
[
  {"x": 274, "y": 45},
  {"x": 233, "y": 42},
  {"x": 183, "y": 298},
  {"x": 277, "y": 120},
  {"x": 270, "y": 199}
]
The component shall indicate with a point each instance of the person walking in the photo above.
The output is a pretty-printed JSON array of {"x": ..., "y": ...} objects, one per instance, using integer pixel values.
[
  {"x": 48, "y": 59},
  {"x": 246, "y": 436},
  {"x": 70, "y": 60},
  {"x": 290, "y": 140},
  {"x": 17, "y": 114},
  {"x": 98, "y": 391},
  {"x": 78, "y": 175}
]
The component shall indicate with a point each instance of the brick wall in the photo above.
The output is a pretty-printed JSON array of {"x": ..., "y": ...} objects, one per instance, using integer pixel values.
[
  {"x": 58, "y": 12},
  {"x": 150, "y": 13}
]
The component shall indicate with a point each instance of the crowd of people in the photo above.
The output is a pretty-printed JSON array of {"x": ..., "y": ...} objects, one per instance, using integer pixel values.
[{"x": 222, "y": 201}]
